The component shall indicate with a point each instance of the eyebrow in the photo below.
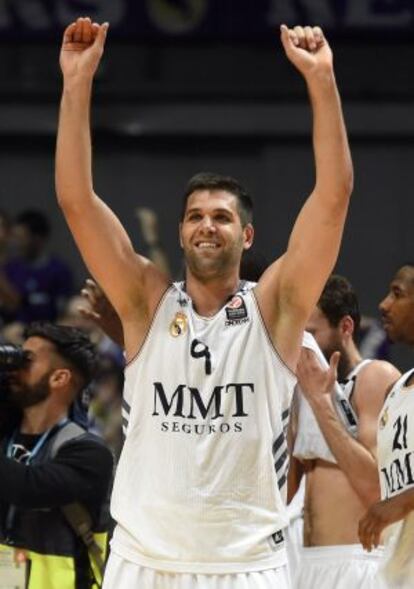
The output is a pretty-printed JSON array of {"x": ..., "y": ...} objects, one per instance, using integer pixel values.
[{"x": 218, "y": 210}]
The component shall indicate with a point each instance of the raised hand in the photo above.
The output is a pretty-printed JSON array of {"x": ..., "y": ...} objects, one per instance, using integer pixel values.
[
  {"x": 307, "y": 49},
  {"x": 101, "y": 312},
  {"x": 82, "y": 48},
  {"x": 314, "y": 380}
]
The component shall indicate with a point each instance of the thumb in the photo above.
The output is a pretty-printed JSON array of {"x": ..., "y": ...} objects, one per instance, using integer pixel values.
[
  {"x": 334, "y": 361},
  {"x": 101, "y": 35},
  {"x": 285, "y": 38}
]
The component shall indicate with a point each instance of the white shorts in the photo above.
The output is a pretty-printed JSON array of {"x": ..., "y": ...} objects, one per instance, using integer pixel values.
[
  {"x": 339, "y": 567},
  {"x": 294, "y": 531},
  {"x": 123, "y": 574}
]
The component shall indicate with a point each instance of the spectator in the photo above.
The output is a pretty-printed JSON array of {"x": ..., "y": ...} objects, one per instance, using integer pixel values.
[
  {"x": 42, "y": 280},
  {"x": 9, "y": 298},
  {"x": 51, "y": 468}
]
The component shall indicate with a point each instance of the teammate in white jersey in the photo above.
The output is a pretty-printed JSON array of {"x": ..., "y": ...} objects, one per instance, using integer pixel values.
[
  {"x": 199, "y": 491},
  {"x": 395, "y": 512},
  {"x": 341, "y": 483}
]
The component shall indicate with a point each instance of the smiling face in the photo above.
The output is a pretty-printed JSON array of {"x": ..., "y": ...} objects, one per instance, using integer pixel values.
[
  {"x": 397, "y": 309},
  {"x": 211, "y": 234}
]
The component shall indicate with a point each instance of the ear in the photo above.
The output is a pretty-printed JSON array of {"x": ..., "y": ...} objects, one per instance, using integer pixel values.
[
  {"x": 248, "y": 232},
  {"x": 60, "y": 378},
  {"x": 347, "y": 325}
]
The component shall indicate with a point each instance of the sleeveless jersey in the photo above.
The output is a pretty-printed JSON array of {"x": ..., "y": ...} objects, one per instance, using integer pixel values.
[
  {"x": 396, "y": 439},
  {"x": 310, "y": 443},
  {"x": 201, "y": 482},
  {"x": 396, "y": 468}
]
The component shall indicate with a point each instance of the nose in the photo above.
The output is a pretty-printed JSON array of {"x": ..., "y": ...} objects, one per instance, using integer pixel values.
[
  {"x": 207, "y": 224},
  {"x": 384, "y": 305}
]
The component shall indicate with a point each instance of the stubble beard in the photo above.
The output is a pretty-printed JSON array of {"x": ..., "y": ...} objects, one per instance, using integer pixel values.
[
  {"x": 25, "y": 396},
  {"x": 205, "y": 268}
]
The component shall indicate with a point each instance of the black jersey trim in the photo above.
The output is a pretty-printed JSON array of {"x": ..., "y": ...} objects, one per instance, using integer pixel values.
[
  {"x": 269, "y": 339},
  {"x": 150, "y": 327}
]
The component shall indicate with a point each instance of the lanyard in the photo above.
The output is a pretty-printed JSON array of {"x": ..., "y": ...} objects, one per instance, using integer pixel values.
[
  {"x": 40, "y": 443},
  {"x": 11, "y": 514}
]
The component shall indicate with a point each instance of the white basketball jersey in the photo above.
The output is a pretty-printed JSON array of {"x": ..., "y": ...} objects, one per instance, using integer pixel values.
[
  {"x": 396, "y": 467},
  {"x": 201, "y": 481},
  {"x": 396, "y": 439}
]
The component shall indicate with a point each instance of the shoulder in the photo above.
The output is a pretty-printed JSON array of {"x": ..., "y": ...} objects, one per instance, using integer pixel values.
[
  {"x": 86, "y": 450},
  {"x": 375, "y": 380},
  {"x": 379, "y": 371}
]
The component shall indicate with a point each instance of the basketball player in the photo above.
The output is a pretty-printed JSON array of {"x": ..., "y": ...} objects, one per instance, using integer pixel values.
[
  {"x": 199, "y": 494},
  {"x": 339, "y": 453},
  {"x": 396, "y": 447}
]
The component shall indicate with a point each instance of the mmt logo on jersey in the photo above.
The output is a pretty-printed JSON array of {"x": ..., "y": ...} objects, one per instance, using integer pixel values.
[{"x": 188, "y": 405}]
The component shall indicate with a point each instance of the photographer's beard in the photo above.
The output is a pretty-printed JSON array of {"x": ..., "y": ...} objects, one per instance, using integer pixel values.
[{"x": 23, "y": 395}]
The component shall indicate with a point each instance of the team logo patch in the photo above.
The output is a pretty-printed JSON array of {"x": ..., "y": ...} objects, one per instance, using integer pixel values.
[
  {"x": 178, "y": 325},
  {"x": 236, "y": 310},
  {"x": 384, "y": 419}
]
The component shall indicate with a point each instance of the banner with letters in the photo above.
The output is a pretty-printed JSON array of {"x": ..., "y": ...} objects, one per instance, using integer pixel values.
[{"x": 146, "y": 20}]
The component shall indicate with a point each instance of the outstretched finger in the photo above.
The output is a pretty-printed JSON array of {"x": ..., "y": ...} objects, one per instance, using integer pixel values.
[
  {"x": 89, "y": 295},
  {"x": 89, "y": 314}
]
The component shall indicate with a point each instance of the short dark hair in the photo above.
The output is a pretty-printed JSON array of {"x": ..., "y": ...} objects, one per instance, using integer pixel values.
[
  {"x": 210, "y": 181},
  {"x": 72, "y": 344},
  {"x": 36, "y": 222},
  {"x": 339, "y": 299}
]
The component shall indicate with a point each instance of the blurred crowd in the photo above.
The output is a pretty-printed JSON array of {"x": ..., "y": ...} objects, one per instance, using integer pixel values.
[{"x": 36, "y": 284}]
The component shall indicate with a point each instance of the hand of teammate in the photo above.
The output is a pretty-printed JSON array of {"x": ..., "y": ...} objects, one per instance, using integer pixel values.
[
  {"x": 101, "y": 312},
  {"x": 378, "y": 517},
  {"x": 82, "y": 48},
  {"x": 314, "y": 380},
  {"x": 307, "y": 49}
]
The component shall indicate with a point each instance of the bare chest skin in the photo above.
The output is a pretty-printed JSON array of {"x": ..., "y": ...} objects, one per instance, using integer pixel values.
[{"x": 332, "y": 508}]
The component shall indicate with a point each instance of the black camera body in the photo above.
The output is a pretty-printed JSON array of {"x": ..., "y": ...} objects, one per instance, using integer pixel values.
[{"x": 11, "y": 358}]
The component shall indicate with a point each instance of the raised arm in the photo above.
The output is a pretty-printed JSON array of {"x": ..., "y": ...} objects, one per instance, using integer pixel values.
[
  {"x": 288, "y": 294},
  {"x": 131, "y": 282}
]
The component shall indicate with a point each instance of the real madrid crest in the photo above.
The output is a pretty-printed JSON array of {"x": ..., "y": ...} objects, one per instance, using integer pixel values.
[
  {"x": 384, "y": 419},
  {"x": 178, "y": 325}
]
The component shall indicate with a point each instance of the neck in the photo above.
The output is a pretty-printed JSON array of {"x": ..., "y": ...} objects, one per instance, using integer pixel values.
[
  {"x": 350, "y": 358},
  {"x": 40, "y": 418},
  {"x": 210, "y": 295}
]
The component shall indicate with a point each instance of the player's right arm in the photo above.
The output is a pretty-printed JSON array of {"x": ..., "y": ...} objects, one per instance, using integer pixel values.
[{"x": 132, "y": 284}]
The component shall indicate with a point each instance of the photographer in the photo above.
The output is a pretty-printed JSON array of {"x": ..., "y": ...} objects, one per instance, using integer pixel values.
[{"x": 55, "y": 476}]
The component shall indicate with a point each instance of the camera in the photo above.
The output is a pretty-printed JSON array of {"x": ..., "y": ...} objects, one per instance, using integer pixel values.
[{"x": 12, "y": 358}]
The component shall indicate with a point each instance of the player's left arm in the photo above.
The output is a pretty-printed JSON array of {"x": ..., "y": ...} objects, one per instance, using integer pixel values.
[
  {"x": 288, "y": 294},
  {"x": 383, "y": 514},
  {"x": 355, "y": 457}
]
